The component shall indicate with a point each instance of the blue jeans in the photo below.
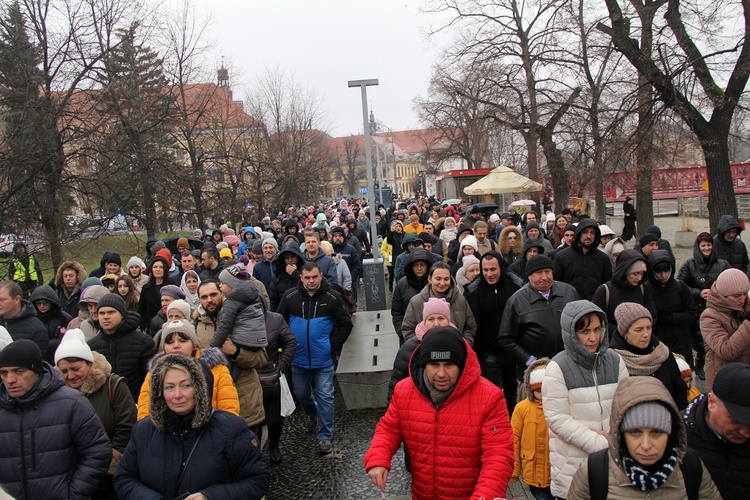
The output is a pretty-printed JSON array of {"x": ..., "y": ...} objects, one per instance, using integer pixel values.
[{"x": 322, "y": 405}]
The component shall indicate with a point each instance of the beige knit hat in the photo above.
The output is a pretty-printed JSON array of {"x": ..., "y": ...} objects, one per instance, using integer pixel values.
[
  {"x": 628, "y": 313},
  {"x": 732, "y": 282}
]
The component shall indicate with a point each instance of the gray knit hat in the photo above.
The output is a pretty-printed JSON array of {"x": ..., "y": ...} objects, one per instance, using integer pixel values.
[
  {"x": 648, "y": 415},
  {"x": 257, "y": 246},
  {"x": 270, "y": 241},
  {"x": 234, "y": 276},
  {"x": 628, "y": 313},
  {"x": 115, "y": 302},
  {"x": 182, "y": 327},
  {"x": 173, "y": 291}
]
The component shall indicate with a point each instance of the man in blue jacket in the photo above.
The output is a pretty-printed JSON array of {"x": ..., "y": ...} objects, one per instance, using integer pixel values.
[{"x": 321, "y": 325}]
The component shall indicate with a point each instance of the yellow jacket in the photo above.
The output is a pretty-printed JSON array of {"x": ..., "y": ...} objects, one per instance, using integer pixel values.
[
  {"x": 224, "y": 396},
  {"x": 531, "y": 444},
  {"x": 386, "y": 250}
]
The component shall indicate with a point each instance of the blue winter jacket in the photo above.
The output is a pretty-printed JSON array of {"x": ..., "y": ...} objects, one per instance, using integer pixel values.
[
  {"x": 241, "y": 250},
  {"x": 319, "y": 322}
]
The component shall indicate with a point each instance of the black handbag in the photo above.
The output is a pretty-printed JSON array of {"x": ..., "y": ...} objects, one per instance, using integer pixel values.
[{"x": 269, "y": 377}]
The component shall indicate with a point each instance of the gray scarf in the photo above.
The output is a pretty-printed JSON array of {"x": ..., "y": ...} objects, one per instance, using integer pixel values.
[{"x": 438, "y": 397}]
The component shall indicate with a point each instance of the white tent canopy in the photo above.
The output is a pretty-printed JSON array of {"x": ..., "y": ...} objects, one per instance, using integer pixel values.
[{"x": 503, "y": 180}]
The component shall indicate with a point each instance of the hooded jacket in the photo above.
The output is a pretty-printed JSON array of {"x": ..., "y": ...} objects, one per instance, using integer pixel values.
[
  {"x": 577, "y": 391},
  {"x": 674, "y": 307},
  {"x": 55, "y": 319},
  {"x": 530, "y": 436},
  {"x": 619, "y": 292},
  {"x": 408, "y": 286},
  {"x": 511, "y": 252},
  {"x": 319, "y": 322},
  {"x": 461, "y": 314},
  {"x": 26, "y": 325},
  {"x": 455, "y": 246},
  {"x": 226, "y": 463},
  {"x": 53, "y": 444},
  {"x": 128, "y": 351},
  {"x": 242, "y": 248},
  {"x": 726, "y": 333},
  {"x": 727, "y": 462},
  {"x": 700, "y": 272},
  {"x": 281, "y": 280},
  {"x": 243, "y": 318},
  {"x": 519, "y": 266},
  {"x": 630, "y": 393},
  {"x": 326, "y": 264},
  {"x": 487, "y": 303},
  {"x": 540, "y": 240},
  {"x": 734, "y": 252},
  {"x": 223, "y": 393},
  {"x": 108, "y": 256},
  {"x": 69, "y": 302},
  {"x": 585, "y": 271},
  {"x": 461, "y": 450},
  {"x": 282, "y": 346}
]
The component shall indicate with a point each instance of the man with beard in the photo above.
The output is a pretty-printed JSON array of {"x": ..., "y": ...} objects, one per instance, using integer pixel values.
[
  {"x": 351, "y": 256},
  {"x": 582, "y": 264},
  {"x": 530, "y": 327},
  {"x": 487, "y": 297}
]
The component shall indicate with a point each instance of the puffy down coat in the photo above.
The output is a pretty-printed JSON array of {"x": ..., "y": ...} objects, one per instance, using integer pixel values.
[
  {"x": 463, "y": 449},
  {"x": 577, "y": 394},
  {"x": 52, "y": 444}
]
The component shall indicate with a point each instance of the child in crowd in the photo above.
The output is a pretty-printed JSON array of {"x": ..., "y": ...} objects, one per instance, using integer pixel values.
[
  {"x": 687, "y": 375},
  {"x": 530, "y": 435}
]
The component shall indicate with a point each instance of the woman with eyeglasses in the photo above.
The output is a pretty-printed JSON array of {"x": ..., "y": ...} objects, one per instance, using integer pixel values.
[
  {"x": 627, "y": 285},
  {"x": 510, "y": 244},
  {"x": 577, "y": 391}
]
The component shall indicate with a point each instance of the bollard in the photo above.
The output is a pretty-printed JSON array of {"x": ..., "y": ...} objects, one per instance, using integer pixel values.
[{"x": 374, "y": 276}]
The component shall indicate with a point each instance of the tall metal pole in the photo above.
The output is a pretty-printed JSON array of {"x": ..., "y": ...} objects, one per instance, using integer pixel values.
[{"x": 363, "y": 84}]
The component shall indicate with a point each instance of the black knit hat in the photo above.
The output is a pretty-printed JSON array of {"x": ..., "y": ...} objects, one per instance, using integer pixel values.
[
  {"x": 338, "y": 229},
  {"x": 443, "y": 343},
  {"x": 646, "y": 239},
  {"x": 115, "y": 302},
  {"x": 538, "y": 262},
  {"x": 24, "y": 353}
]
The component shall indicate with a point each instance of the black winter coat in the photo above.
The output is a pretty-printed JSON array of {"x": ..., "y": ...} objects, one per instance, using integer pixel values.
[
  {"x": 487, "y": 303},
  {"x": 408, "y": 286},
  {"x": 584, "y": 271},
  {"x": 149, "y": 305},
  {"x": 27, "y": 325},
  {"x": 55, "y": 320},
  {"x": 281, "y": 349},
  {"x": 401, "y": 364},
  {"x": 281, "y": 280},
  {"x": 52, "y": 444},
  {"x": 700, "y": 272},
  {"x": 619, "y": 293},
  {"x": 227, "y": 462},
  {"x": 727, "y": 463},
  {"x": 128, "y": 351},
  {"x": 735, "y": 252},
  {"x": 675, "y": 308}
]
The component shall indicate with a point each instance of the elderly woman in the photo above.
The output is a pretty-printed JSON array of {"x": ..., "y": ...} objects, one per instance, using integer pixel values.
[
  {"x": 178, "y": 337},
  {"x": 186, "y": 449},
  {"x": 90, "y": 373},
  {"x": 577, "y": 392},
  {"x": 647, "y": 441},
  {"x": 643, "y": 353}
]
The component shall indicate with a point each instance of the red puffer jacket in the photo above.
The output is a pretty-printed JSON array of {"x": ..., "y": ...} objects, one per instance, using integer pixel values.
[{"x": 462, "y": 450}]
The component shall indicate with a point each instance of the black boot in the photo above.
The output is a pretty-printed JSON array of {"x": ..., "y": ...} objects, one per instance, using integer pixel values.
[
  {"x": 274, "y": 436},
  {"x": 274, "y": 453},
  {"x": 700, "y": 362}
]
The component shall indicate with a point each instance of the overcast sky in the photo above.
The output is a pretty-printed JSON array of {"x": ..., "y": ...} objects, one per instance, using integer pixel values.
[{"x": 327, "y": 43}]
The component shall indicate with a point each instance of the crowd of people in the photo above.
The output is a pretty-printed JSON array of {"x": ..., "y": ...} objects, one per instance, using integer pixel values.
[{"x": 534, "y": 347}]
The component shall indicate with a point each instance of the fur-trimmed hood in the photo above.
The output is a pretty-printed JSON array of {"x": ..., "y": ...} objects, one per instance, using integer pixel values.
[
  {"x": 527, "y": 376},
  {"x": 504, "y": 243},
  {"x": 157, "y": 404},
  {"x": 98, "y": 375},
  {"x": 80, "y": 273}
]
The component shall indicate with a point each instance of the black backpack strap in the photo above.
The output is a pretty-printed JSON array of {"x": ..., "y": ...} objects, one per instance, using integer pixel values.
[
  {"x": 692, "y": 473},
  {"x": 598, "y": 465}
]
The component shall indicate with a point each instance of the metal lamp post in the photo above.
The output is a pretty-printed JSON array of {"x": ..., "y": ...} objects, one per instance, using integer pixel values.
[{"x": 373, "y": 271}]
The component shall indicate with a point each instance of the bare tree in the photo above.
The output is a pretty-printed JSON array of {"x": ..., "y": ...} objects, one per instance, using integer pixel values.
[
  {"x": 686, "y": 78},
  {"x": 346, "y": 163}
]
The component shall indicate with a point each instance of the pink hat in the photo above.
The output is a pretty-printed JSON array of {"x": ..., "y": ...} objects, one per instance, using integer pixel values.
[
  {"x": 732, "y": 282},
  {"x": 436, "y": 306}
]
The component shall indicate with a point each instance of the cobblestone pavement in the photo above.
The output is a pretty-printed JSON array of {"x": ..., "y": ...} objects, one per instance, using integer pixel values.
[{"x": 306, "y": 475}]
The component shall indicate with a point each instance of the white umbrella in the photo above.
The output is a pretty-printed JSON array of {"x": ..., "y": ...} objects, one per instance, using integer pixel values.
[
  {"x": 503, "y": 180},
  {"x": 523, "y": 203}
]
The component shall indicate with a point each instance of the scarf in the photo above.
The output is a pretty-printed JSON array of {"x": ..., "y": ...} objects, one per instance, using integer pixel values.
[
  {"x": 644, "y": 480},
  {"x": 644, "y": 364},
  {"x": 437, "y": 397}
]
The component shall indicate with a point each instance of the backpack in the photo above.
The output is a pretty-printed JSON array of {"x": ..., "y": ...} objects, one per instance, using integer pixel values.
[{"x": 598, "y": 464}]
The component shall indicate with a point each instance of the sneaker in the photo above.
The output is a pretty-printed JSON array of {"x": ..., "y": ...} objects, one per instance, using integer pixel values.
[
  {"x": 275, "y": 454},
  {"x": 325, "y": 446},
  {"x": 312, "y": 425}
]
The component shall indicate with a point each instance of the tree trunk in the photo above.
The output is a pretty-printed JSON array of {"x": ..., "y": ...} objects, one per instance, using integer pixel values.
[
  {"x": 556, "y": 166},
  {"x": 644, "y": 191},
  {"x": 721, "y": 200}
]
